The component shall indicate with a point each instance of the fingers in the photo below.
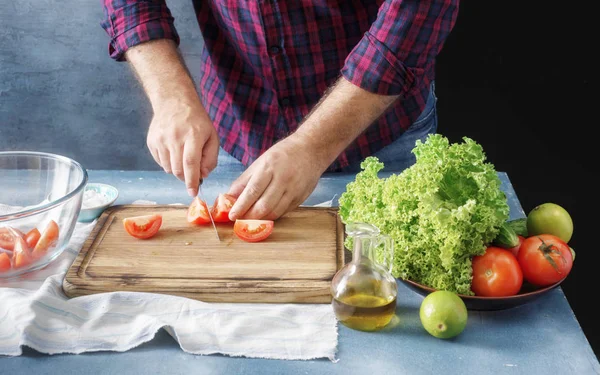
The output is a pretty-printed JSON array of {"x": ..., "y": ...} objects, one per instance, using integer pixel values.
[
  {"x": 192, "y": 158},
  {"x": 240, "y": 183},
  {"x": 210, "y": 155},
  {"x": 165, "y": 159},
  {"x": 267, "y": 202},
  {"x": 154, "y": 154},
  {"x": 281, "y": 208},
  {"x": 253, "y": 191},
  {"x": 176, "y": 155}
]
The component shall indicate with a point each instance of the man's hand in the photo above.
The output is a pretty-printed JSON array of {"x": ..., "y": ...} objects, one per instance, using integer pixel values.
[
  {"x": 284, "y": 176},
  {"x": 277, "y": 182},
  {"x": 181, "y": 137},
  {"x": 184, "y": 142}
]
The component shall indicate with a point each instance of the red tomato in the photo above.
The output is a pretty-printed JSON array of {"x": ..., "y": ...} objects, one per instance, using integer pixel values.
[
  {"x": 21, "y": 256},
  {"x": 221, "y": 207},
  {"x": 47, "y": 240},
  {"x": 4, "y": 262},
  {"x": 32, "y": 237},
  {"x": 198, "y": 212},
  {"x": 7, "y": 238},
  {"x": 545, "y": 259},
  {"x": 496, "y": 273},
  {"x": 143, "y": 227},
  {"x": 253, "y": 230},
  {"x": 515, "y": 250}
]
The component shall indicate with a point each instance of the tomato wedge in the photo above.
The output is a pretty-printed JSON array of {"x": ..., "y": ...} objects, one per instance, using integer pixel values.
[
  {"x": 143, "y": 227},
  {"x": 4, "y": 262},
  {"x": 221, "y": 207},
  {"x": 32, "y": 237},
  {"x": 253, "y": 230},
  {"x": 21, "y": 257},
  {"x": 198, "y": 212},
  {"x": 7, "y": 238},
  {"x": 47, "y": 240}
]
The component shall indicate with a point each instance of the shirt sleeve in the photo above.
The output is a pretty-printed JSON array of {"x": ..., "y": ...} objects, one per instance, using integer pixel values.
[
  {"x": 401, "y": 44},
  {"x": 131, "y": 22}
]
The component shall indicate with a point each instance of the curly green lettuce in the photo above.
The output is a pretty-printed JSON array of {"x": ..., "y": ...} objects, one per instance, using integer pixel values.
[{"x": 440, "y": 212}]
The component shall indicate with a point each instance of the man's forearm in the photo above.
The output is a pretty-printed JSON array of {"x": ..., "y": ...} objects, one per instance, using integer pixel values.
[
  {"x": 162, "y": 72},
  {"x": 339, "y": 118}
]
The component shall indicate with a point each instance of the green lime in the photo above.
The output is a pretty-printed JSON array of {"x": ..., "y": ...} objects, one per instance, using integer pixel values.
[
  {"x": 443, "y": 314},
  {"x": 550, "y": 218}
]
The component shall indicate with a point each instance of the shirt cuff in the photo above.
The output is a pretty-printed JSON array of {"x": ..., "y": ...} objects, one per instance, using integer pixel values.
[
  {"x": 374, "y": 67},
  {"x": 138, "y": 23}
]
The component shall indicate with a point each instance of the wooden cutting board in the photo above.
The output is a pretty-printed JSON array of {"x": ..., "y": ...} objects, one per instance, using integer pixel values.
[{"x": 293, "y": 265}]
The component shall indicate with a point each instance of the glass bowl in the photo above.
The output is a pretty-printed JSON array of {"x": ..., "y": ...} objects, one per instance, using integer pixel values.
[{"x": 40, "y": 200}]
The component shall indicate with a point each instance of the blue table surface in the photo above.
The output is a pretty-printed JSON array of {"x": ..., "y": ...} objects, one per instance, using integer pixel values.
[{"x": 542, "y": 337}]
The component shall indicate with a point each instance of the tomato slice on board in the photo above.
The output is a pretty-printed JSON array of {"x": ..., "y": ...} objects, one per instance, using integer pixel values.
[
  {"x": 32, "y": 237},
  {"x": 47, "y": 240},
  {"x": 22, "y": 256},
  {"x": 143, "y": 227},
  {"x": 198, "y": 212},
  {"x": 253, "y": 230},
  {"x": 7, "y": 238},
  {"x": 496, "y": 273},
  {"x": 4, "y": 262},
  {"x": 221, "y": 207}
]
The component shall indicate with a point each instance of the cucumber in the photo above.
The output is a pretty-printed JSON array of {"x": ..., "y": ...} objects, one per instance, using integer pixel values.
[
  {"x": 519, "y": 226},
  {"x": 507, "y": 237}
]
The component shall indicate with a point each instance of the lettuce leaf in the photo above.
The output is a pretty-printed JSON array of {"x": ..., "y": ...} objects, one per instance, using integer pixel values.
[{"x": 440, "y": 212}]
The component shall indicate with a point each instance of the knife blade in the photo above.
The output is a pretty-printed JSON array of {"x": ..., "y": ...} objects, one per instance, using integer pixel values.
[{"x": 209, "y": 213}]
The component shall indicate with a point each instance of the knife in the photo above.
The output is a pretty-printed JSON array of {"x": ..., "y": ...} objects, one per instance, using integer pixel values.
[{"x": 209, "y": 213}]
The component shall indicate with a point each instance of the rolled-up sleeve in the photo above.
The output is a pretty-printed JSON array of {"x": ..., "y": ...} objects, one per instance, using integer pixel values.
[
  {"x": 401, "y": 44},
  {"x": 131, "y": 22}
]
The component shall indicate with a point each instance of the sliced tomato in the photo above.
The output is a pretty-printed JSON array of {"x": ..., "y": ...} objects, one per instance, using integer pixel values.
[
  {"x": 47, "y": 240},
  {"x": 32, "y": 237},
  {"x": 7, "y": 238},
  {"x": 198, "y": 212},
  {"x": 4, "y": 262},
  {"x": 221, "y": 207},
  {"x": 253, "y": 230},
  {"x": 22, "y": 256},
  {"x": 143, "y": 227}
]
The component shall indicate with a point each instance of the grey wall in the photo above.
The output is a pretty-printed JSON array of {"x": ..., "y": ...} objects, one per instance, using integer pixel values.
[{"x": 60, "y": 92}]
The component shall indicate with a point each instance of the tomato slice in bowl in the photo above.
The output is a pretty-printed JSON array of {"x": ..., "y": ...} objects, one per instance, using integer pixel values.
[
  {"x": 198, "y": 212},
  {"x": 7, "y": 237},
  {"x": 4, "y": 262},
  {"x": 221, "y": 207},
  {"x": 32, "y": 237},
  {"x": 47, "y": 240},
  {"x": 253, "y": 230},
  {"x": 144, "y": 226},
  {"x": 21, "y": 256}
]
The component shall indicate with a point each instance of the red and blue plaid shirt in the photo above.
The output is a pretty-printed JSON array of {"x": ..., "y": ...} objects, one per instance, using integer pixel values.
[{"x": 266, "y": 63}]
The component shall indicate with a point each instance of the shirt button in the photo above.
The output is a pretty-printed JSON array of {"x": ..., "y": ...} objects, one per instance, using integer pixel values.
[
  {"x": 285, "y": 102},
  {"x": 274, "y": 50}
]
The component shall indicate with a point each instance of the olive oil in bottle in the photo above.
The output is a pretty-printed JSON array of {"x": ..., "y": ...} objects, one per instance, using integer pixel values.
[{"x": 364, "y": 312}]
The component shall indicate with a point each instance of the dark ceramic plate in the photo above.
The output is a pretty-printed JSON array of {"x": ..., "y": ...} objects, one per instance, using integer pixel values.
[{"x": 527, "y": 294}]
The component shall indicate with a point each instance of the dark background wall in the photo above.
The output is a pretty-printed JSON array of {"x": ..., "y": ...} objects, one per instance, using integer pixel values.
[{"x": 516, "y": 78}]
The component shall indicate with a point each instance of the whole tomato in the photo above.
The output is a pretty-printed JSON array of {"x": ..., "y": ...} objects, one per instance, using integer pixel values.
[
  {"x": 545, "y": 259},
  {"x": 496, "y": 273}
]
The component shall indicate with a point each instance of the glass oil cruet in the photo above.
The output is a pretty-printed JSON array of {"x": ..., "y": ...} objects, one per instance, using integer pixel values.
[{"x": 364, "y": 290}]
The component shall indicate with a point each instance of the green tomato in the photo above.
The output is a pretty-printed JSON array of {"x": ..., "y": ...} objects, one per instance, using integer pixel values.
[{"x": 550, "y": 218}]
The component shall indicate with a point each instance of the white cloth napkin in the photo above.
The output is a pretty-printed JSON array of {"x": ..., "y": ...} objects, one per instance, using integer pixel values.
[{"x": 35, "y": 312}]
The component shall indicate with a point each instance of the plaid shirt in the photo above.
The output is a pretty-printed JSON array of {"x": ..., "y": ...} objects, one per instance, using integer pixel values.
[{"x": 266, "y": 63}]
